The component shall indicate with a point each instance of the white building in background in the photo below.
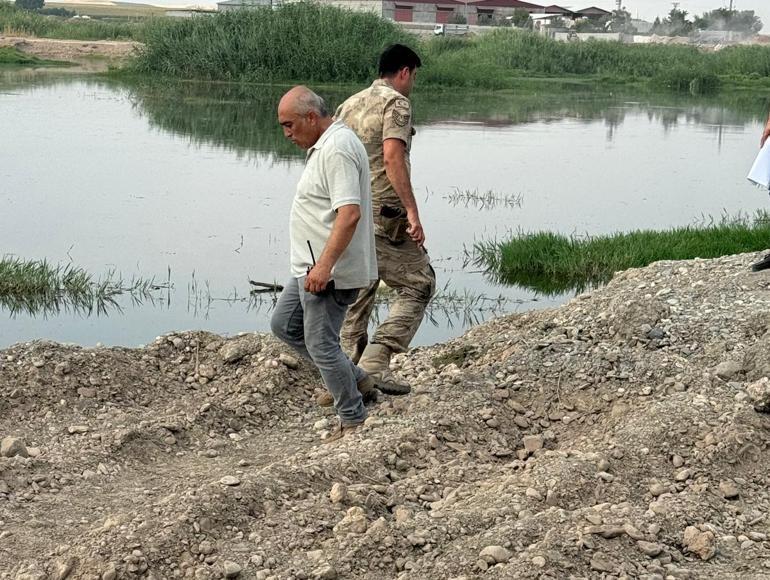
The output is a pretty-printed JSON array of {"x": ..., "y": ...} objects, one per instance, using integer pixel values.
[{"x": 226, "y": 5}]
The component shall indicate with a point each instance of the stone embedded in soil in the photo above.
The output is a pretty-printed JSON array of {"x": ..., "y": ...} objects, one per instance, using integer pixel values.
[
  {"x": 236, "y": 349},
  {"x": 606, "y": 531},
  {"x": 650, "y": 549},
  {"x": 729, "y": 489},
  {"x": 207, "y": 371},
  {"x": 728, "y": 369},
  {"x": 495, "y": 555},
  {"x": 683, "y": 475},
  {"x": 533, "y": 443},
  {"x": 354, "y": 522},
  {"x": 12, "y": 447},
  {"x": 232, "y": 569},
  {"x": 702, "y": 544},
  {"x": 603, "y": 563},
  {"x": 63, "y": 568},
  {"x": 325, "y": 573},
  {"x": 206, "y": 548},
  {"x": 288, "y": 361},
  {"x": 657, "y": 489},
  {"x": 230, "y": 480},
  {"x": 759, "y": 392},
  {"x": 339, "y": 493}
]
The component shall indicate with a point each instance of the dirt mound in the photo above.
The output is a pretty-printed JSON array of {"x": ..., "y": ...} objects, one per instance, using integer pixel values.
[{"x": 614, "y": 437}]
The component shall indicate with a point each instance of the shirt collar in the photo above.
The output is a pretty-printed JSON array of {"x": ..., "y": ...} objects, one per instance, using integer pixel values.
[
  {"x": 382, "y": 83},
  {"x": 333, "y": 128}
]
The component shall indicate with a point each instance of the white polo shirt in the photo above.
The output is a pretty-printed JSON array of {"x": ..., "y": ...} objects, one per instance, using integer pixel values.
[{"x": 336, "y": 174}]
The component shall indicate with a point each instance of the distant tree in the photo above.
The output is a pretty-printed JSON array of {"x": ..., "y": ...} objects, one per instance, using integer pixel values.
[
  {"x": 63, "y": 12},
  {"x": 678, "y": 23},
  {"x": 725, "y": 19},
  {"x": 30, "y": 4},
  {"x": 620, "y": 21},
  {"x": 521, "y": 18},
  {"x": 675, "y": 24},
  {"x": 657, "y": 26},
  {"x": 457, "y": 18}
]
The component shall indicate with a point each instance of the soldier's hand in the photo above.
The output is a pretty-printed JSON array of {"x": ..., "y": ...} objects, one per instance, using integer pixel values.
[
  {"x": 765, "y": 135},
  {"x": 415, "y": 230},
  {"x": 317, "y": 279}
]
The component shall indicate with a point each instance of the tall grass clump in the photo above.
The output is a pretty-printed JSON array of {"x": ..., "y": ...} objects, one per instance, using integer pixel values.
[
  {"x": 38, "y": 287},
  {"x": 14, "y": 21},
  {"x": 553, "y": 263},
  {"x": 304, "y": 42},
  {"x": 497, "y": 59}
]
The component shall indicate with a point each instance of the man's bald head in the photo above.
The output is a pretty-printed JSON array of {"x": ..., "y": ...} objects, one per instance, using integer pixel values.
[
  {"x": 303, "y": 116},
  {"x": 301, "y": 100}
]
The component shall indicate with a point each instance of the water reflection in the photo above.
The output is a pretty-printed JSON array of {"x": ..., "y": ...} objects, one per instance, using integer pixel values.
[{"x": 241, "y": 118}]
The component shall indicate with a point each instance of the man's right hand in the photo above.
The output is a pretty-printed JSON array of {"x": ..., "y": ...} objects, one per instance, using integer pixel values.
[
  {"x": 765, "y": 135},
  {"x": 415, "y": 230}
]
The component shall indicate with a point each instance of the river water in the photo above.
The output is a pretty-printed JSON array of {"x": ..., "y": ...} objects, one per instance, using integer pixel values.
[{"x": 191, "y": 184}]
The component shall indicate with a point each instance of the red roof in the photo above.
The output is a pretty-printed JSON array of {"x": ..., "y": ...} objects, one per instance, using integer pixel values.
[
  {"x": 437, "y": 2},
  {"x": 506, "y": 4}
]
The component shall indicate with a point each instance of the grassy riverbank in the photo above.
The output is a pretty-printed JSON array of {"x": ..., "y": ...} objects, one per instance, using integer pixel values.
[
  {"x": 315, "y": 43},
  {"x": 553, "y": 263},
  {"x": 323, "y": 44}
]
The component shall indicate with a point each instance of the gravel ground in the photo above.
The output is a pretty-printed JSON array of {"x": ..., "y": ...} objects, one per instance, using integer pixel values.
[{"x": 622, "y": 435}]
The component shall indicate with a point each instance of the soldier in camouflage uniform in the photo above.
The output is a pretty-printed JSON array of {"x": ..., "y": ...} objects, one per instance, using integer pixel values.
[{"x": 381, "y": 116}]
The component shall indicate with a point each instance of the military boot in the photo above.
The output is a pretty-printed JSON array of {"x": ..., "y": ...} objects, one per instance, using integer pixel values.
[
  {"x": 375, "y": 360},
  {"x": 366, "y": 387}
]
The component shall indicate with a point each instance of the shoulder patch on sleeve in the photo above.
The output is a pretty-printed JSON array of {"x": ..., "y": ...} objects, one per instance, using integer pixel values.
[
  {"x": 401, "y": 117},
  {"x": 402, "y": 112}
]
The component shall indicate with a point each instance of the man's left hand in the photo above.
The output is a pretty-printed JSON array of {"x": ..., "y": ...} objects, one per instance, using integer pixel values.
[
  {"x": 317, "y": 279},
  {"x": 414, "y": 229},
  {"x": 765, "y": 135}
]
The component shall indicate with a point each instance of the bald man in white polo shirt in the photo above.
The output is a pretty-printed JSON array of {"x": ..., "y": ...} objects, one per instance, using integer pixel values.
[{"x": 331, "y": 222}]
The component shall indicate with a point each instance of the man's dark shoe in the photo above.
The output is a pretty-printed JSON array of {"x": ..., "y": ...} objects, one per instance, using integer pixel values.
[{"x": 763, "y": 264}]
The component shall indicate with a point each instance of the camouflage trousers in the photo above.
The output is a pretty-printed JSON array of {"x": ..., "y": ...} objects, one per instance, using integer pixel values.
[{"x": 406, "y": 269}]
